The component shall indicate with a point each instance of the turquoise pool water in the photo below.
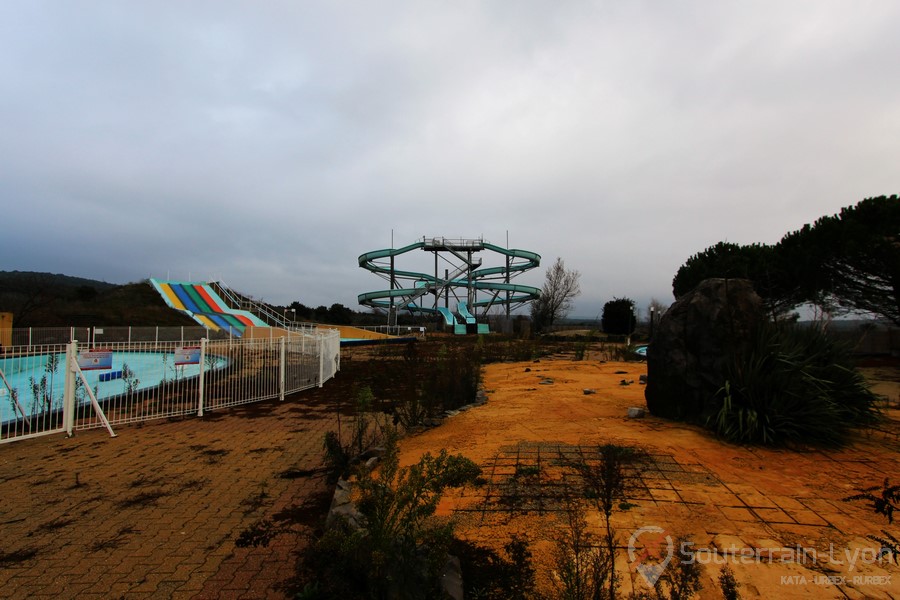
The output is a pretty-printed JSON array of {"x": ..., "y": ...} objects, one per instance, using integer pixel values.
[{"x": 46, "y": 373}]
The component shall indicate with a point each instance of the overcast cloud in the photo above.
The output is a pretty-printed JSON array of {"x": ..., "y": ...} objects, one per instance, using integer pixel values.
[{"x": 268, "y": 144}]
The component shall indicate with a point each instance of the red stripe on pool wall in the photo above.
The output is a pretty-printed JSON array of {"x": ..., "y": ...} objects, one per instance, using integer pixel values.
[
  {"x": 244, "y": 320},
  {"x": 212, "y": 303}
]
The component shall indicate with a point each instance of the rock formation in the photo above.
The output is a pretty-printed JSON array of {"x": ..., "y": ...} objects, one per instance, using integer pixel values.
[{"x": 686, "y": 357}]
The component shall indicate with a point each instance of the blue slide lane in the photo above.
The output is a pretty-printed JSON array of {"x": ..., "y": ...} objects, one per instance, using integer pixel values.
[
  {"x": 449, "y": 319},
  {"x": 463, "y": 311}
]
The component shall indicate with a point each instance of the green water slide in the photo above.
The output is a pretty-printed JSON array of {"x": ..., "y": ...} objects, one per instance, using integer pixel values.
[
  {"x": 475, "y": 287},
  {"x": 445, "y": 312},
  {"x": 463, "y": 311}
]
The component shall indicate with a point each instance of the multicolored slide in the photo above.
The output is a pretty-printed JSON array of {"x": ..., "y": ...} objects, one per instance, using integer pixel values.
[{"x": 200, "y": 302}]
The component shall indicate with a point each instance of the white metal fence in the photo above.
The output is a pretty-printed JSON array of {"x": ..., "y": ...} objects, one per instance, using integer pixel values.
[
  {"x": 32, "y": 336},
  {"x": 53, "y": 388}
]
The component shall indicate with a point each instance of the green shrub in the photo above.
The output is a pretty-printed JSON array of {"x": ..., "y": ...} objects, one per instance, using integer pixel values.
[
  {"x": 400, "y": 549},
  {"x": 580, "y": 349},
  {"x": 367, "y": 431},
  {"x": 423, "y": 380},
  {"x": 792, "y": 384}
]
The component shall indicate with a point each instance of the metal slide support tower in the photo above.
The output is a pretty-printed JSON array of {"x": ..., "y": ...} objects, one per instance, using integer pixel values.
[{"x": 476, "y": 288}]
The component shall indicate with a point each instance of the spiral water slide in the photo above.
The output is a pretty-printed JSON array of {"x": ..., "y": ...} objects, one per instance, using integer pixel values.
[{"x": 475, "y": 288}]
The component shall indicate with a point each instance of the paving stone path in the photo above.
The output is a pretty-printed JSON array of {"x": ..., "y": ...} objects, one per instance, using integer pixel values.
[{"x": 156, "y": 511}]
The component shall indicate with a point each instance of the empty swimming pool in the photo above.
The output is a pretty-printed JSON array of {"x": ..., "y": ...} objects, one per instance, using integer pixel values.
[{"x": 38, "y": 381}]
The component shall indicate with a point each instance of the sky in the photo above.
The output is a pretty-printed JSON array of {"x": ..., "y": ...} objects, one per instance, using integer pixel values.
[{"x": 268, "y": 144}]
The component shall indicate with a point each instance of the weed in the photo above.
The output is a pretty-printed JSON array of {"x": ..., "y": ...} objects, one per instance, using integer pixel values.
[
  {"x": 143, "y": 499},
  {"x": 728, "y": 584},
  {"x": 583, "y": 568},
  {"x": 112, "y": 543},
  {"x": 580, "y": 349},
  {"x": 489, "y": 575},
  {"x": 295, "y": 473},
  {"x": 213, "y": 456},
  {"x": 258, "y": 534},
  {"x": 310, "y": 591},
  {"x": 337, "y": 457},
  {"x": 792, "y": 384},
  {"x": 399, "y": 550},
  {"x": 367, "y": 431},
  {"x": 143, "y": 480},
  {"x": 681, "y": 578},
  {"x": 55, "y": 524},
  {"x": 129, "y": 378},
  {"x": 527, "y": 471},
  {"x": 255, "y": 501},
  {"x": 17, "y": 556},
  {"x": 890, "y": 545},
  {"x": 883, "y": 498},
  {"x": 604, "y": 478},
  {"x": 262, "y": 532},
  {"x": 192, "y": 484}
]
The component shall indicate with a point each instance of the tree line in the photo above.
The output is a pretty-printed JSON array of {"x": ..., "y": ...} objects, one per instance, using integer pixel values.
[{"x": 847, "y": 262}]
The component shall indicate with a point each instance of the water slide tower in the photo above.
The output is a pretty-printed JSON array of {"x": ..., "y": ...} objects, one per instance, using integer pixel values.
[{"x": 470, "y": 277}]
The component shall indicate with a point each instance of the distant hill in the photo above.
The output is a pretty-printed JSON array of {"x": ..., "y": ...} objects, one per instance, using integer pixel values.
[
  {"x": 26, "y": 278},
  {"x": 54, "y": 300}
]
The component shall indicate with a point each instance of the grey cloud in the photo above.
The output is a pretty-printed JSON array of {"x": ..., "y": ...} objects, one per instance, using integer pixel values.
[{"x": 270, "y": 144}]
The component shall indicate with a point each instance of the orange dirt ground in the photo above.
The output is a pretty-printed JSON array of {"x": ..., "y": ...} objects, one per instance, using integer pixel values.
[
  {"x": 735, "y": 503},
  {"x": 156, "y": 511}
]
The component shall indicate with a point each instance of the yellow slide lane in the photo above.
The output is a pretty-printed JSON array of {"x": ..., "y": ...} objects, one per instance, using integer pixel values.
[
  {"x": 170, "y": 294},
  {"x": 207, "y": 322}
]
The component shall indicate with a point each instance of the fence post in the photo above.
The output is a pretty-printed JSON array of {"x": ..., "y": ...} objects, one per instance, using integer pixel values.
[
  {"x": 200, "y": 389},
  {"x": 337, "y": 365},
  {"x": 281, "y": 370},
  {"x": 69, "y": 388},
  {"x": 320, "y": 350}
]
